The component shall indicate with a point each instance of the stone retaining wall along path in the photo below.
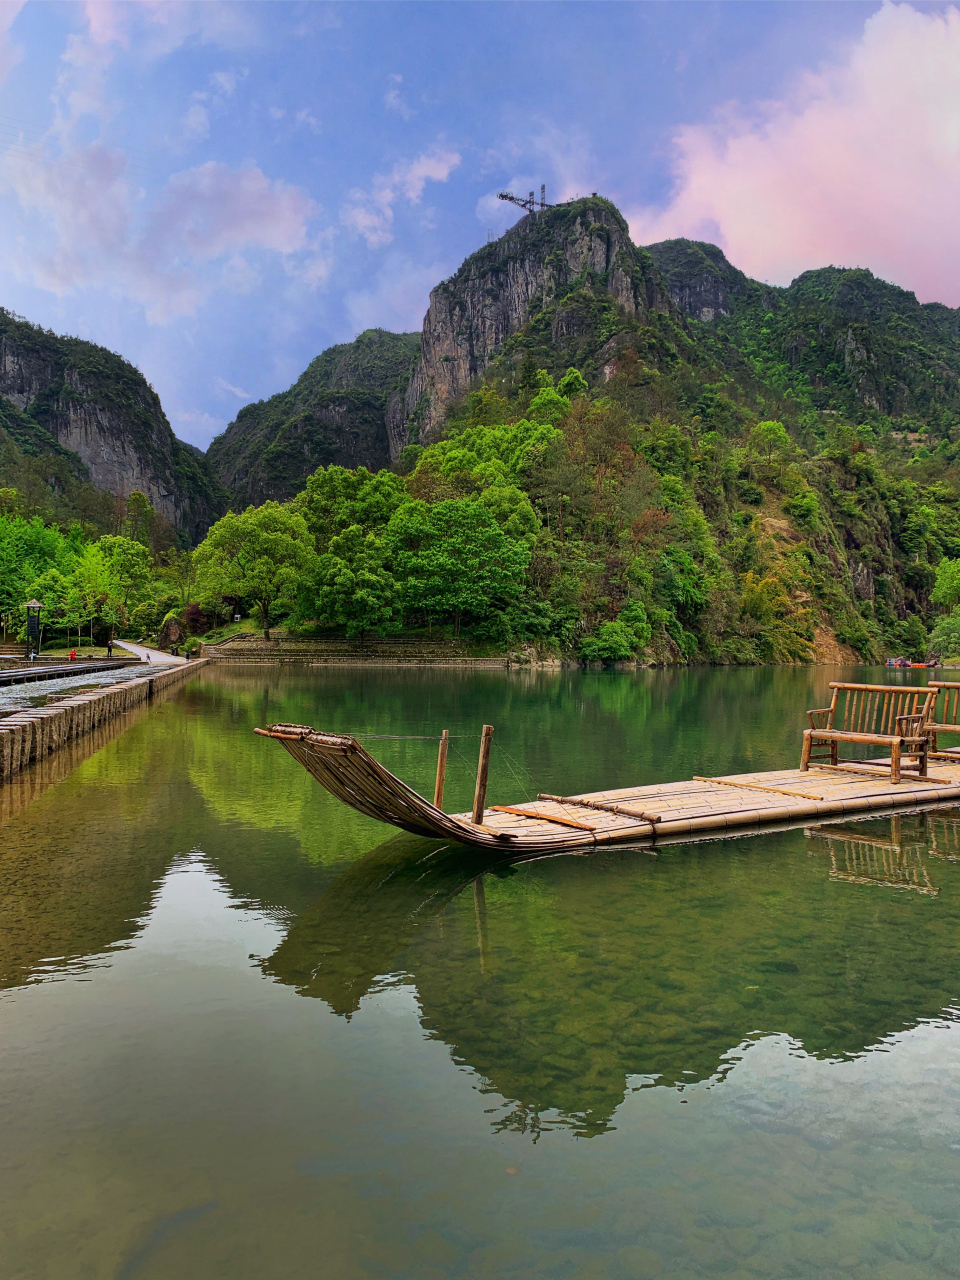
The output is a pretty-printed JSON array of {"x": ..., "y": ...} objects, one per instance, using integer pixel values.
[
  {"x": 373, "y": 651},
  {"x": 36, "y": 732}
]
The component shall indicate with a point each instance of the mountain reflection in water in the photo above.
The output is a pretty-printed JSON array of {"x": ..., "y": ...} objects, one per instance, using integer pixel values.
[{"x": 564, "y": 983}]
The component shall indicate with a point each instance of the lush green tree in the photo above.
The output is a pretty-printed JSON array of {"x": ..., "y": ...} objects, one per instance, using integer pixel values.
[
  {"x": 140, "y": 520},
  {"x": 51, "y": 588},
  {"x": 354, "y": 587},
  {"x": 572, "y": 384},
  {"x": 179, "y": 572},
  {"x": 453, "y": 559},
  {"x": 945, "y": 636},
  {"x": 548, "y": 405},
  {"x": 946, "y": 592},
  {"x": 335, "y": 499},
  {"x": 512, "y": 510},
  {"x": 770, "y": 438},
  {"x": 262, "y": 555}
]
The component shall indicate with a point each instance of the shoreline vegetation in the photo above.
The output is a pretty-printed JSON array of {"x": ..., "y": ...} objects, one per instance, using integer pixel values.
[{"x": 544, "y": 528}]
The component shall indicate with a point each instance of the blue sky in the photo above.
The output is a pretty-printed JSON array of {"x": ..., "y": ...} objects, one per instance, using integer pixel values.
[{"x": 219, "y": 191}]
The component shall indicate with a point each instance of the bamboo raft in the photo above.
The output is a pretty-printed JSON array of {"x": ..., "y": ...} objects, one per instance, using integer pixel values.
[{"x": 662, "y": 813}]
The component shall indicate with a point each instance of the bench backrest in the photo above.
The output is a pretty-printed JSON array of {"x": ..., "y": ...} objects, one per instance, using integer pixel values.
[
  {"x": 948, "y": 703},
  {"x": 874, "y": 708}
]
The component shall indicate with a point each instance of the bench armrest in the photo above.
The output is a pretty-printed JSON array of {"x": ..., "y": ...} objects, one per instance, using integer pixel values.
[
  {"x": 819, "y": 719},
  {"x": 910, "y": 726}
]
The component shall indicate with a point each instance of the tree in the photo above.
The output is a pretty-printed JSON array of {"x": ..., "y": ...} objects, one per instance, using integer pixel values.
[
  {"x": 179, "y": 571},
  {"x": 262, "y": 555},
  {"x": 51, "y": 589},
  {"x": 772, "y": 437},
  {"x": 946, "y": 591},
  {"x": 945, "y": 636},
  {"x": 140, "y": 518},
  {"x": 129, "y": 579},
  {"x": 453, "y": 559},
  {"x": 354, "y": 587},
  {"x": 572, "y": 384},
  {"x": 335, "y": 499}
]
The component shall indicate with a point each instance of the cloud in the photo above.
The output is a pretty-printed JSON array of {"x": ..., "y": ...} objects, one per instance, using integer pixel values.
[
  {"x": 10, "y": 52},
  {"x": 859, "y": 166},
  {"x": 196, "y": 123},
  {"x": 370, "y": 214},
  {"x": 228, "y": 388},
  {"x": 398, "y": 296},
  {"x": 90, "y": 226},
  {"x": 158, "y": 27},
  {"x": 277, "y": 113},
  {"x": 394, "y": 100},
  {"x": 213, "y": 209},
  {"x": 305, "y": 117}
]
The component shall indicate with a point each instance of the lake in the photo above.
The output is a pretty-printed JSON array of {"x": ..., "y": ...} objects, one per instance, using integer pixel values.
[{"x": 246, "y": 1032}]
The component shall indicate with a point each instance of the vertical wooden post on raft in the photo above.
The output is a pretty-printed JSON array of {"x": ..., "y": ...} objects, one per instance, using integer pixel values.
[
  {"x": 441, "y": 769},
  {"x": 483, "y": 768}
]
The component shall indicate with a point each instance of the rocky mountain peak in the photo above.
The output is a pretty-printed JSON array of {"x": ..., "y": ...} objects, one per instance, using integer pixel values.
[
  {"x": 700, "y": 280},
  {"x": 546, "y": 257}
]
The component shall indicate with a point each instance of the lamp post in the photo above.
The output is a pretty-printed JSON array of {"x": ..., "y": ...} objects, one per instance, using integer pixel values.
[{"x": 33, "y": 608}]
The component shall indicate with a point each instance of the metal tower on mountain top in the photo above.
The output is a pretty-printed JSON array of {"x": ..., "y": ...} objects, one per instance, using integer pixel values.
[{"x": 531, "y": 204}]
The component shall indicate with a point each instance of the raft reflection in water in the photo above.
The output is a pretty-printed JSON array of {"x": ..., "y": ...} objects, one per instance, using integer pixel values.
[{"x": 564, "y": 984}]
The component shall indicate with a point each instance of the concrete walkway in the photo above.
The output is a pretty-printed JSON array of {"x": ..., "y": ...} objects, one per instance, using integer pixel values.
[{"x": 149, "y": 655}]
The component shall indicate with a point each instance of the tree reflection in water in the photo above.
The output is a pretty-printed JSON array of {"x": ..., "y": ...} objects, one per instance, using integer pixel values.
[{"x": 564, "y": 982}]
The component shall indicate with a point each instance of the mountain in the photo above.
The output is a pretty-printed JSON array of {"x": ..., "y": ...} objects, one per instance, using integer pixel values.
[
  {"x": 566, "y": 286},
  {"x": 840, "y": 337},
  {"x": 336, "y": 412},
  {"x": 565, "y": 272},
  {"x": 96, "y": 422}
]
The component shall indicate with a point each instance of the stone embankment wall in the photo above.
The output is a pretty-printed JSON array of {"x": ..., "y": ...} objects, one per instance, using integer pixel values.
[
  {"x": 36, "y": 732},
  {"x": 373, "y": 651}
]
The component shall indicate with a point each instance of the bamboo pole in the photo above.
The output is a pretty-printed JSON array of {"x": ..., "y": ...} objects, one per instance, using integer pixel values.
[
  {"x": 441, "y": 769},
  {"x": 483, "y": 769}
]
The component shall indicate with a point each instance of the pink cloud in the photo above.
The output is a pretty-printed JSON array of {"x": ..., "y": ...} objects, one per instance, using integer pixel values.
[
  {"x": 10, "y": 53},
  {"x": 89, "y": 227},
  {"x": 859, "y": 166},
  {"x": 213, "y": 209}
]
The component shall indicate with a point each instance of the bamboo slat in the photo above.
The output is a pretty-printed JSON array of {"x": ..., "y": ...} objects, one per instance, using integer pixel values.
[
  {"x": 756, "y": 786},
  {"x": 541, "y": 817}
]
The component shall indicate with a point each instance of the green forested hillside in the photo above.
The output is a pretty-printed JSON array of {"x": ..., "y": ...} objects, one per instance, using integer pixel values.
[
  {"x": 334, "y": 413},
  {"x": 84, "y": 415}
]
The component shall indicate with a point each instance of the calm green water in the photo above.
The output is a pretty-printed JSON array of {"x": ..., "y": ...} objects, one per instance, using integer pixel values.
[{"x": 247, "y": 1033}]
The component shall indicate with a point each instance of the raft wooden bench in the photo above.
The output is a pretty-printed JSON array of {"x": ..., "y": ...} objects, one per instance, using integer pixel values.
[
  {"x": 884, "y": 715},
  {"x": 945, "y": 718}
]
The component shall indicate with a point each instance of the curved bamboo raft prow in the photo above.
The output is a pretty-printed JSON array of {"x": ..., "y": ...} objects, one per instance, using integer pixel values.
[{"x": 348, "y": 771}]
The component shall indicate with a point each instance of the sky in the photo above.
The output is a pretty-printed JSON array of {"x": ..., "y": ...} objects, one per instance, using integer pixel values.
[{"x": 220, "y": 191}]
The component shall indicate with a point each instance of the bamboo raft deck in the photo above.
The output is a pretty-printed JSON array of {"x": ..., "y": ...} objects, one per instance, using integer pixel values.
[{"x": 669, "y": 812}]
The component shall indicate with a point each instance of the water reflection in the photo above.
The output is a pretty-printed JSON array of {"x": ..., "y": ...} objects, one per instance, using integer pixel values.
[
  {"x": 890, "y": 859},
  {"x": 563, "y": 984}
]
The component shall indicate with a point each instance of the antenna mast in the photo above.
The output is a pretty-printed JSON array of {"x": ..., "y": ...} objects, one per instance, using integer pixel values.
[{"x": 530, "y": 203}]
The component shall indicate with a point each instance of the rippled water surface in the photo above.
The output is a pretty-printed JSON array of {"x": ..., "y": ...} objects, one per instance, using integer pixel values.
[{"x": 248, "y": 1033}]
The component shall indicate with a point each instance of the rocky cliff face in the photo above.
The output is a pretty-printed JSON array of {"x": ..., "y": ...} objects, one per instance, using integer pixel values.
[
  {"x": 334, "y": 414},
  {"x": 702, "y": 283},
  {"x": 543, "y": 261},
  {"x": 83, "y": 400}
]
